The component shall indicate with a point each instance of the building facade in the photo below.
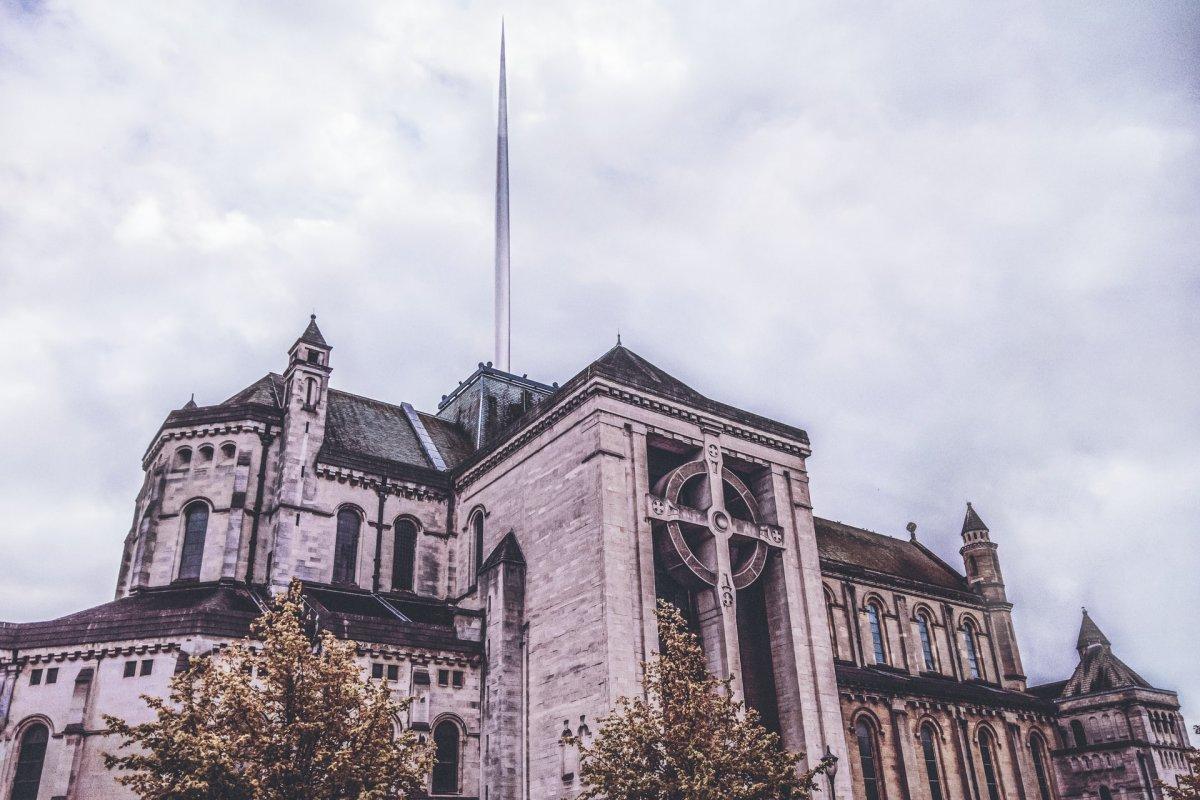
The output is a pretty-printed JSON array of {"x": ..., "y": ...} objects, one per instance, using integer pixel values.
[{"x": 500, "y": 560}]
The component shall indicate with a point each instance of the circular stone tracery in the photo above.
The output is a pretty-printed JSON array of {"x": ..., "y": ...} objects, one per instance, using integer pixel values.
[{"x": 693, "y": 526}]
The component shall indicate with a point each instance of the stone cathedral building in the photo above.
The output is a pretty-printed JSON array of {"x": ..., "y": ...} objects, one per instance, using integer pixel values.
[{"x": 499, "y": 560}]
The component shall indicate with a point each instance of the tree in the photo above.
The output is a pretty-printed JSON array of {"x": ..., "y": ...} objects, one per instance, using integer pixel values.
[
  {"x": 1189, "y": 785},
  {"x": 273, "y": 718},
  {"x": 688, "y": 739}
]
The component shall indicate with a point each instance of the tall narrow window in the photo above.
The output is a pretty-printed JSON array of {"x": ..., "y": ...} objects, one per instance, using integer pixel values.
[
  {"x": 445, "y": 765},
  {"x": 868, "y": 759},
  {"x": 932, "y": 770},
  {"x": 988, "y": 759},
  {"x": 1038, "y": 750},
  {"x": 30, "y": 759},
  {"x": 404, "y": 555},
  {"x": 195, "y": 526},
  {"x": 477, "y": 532},
  {"x": 876, "y": 625},
  {"x": 345, "y": 548},
  {"x": 1078, "y": 733},
  {"x": 926, "y": 641},
  {"x": 972, "y": 650},
  {"x": 310, "y": 392}
]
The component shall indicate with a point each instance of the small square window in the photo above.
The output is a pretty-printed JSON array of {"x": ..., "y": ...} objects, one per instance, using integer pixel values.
[
  {"x": 130, "y": 669},
  {"x": 393, "y": 672},
  {"x": 377, "y": 670},
  {"x": 443, "y": 677},
  {"x": 458, "y": 679},
  {"x": 52, "y": 675},
  {"x": 147, "y": 666},
  {"x": 35, "y": 677},
  {"x": 421, "y": 678}
]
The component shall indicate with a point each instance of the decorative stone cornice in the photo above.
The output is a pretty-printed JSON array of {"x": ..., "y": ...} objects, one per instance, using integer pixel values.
[
  {"x": 356, "y": 477},
  {"x": 487, "y": 459},
  {"x": 90, "y": 654},
  {"x": 166, "y": 434}
]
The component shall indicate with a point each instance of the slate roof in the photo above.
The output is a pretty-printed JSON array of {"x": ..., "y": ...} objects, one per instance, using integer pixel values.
[
  {"x": 358, "y": 426},
  {"x": 507, "y": 550},
  {"x": 1089, "y": 633},
  {"x": 849, "y": 549},
  {"x": 200, "y": 609},
  {"x": 267, "y": 390},
  {"x": 972, "y": 522},
  {"x": 627, "y": 367},
  {"x": 226, "y": 610},
  {"x": 902, "y": 683},
  {"x": 312, "y": 334},
  {"x": 451, "y": 441},
  {"x": 366, "y": 434},
  {"x": 1099, "y": 669}
]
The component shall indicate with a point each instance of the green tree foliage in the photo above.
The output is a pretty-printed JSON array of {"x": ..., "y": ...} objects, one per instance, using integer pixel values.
[
  {"x": 688, "y": 739},
  {"x": 273, "y": 718}
]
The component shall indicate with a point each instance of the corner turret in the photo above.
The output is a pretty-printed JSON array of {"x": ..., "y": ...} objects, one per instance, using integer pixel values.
[{"x": 982, "y": 562}]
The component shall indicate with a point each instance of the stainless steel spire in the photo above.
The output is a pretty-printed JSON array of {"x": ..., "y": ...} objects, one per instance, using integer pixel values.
[{"x": 503, "y": 303}]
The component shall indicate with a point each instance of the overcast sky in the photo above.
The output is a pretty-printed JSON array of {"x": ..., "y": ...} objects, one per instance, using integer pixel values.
[{"x": 956, "y": 242}]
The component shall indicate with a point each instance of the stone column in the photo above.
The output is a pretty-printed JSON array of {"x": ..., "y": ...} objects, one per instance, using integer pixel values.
[{"x": 911, "y": 783}]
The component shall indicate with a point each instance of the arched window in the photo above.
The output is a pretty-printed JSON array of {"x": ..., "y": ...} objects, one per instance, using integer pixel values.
[
  {"x": 477, "y": 540},
  {"x": 1105, "y": 793},
  {"x": 30, "y": 759},
  {"x": 183, "y": 458},
  {"x": 972, "y": 649},
  {"x": 195, "y": 526},
  {"x": 932, "y": 769},
  {"x": 868, "y": 759},
  {"x": 987, "y": 756},
  {"x": 404, "y": 555},
  {"x": 1038, "y": 750},
  {"x": 345, "y": 547},
  {"x": 833, "y": 637},
  {"x": 445, "y": 765},
  {"x": 926, "y": 640},
  {"x": 874, "y": 620},
  {"x": 310, "y": 392},
  {"x": 1078, "y": 734}
]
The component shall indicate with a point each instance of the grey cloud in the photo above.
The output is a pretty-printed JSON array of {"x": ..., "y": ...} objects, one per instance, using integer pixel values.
[{"x": 957, "y": 244}]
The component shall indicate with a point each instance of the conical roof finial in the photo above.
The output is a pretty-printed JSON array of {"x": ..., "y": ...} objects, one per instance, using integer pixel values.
[
  {"x": 972, "y": 522},
  {"x": 312, "y": 334},
  {"x": 1090, "y": 633}
]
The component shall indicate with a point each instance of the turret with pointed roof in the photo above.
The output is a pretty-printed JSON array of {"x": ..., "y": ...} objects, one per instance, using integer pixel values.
[{"x": 982, "y": 561}]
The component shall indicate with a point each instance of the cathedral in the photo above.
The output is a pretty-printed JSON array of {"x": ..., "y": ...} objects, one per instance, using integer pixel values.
[{"x": 498, "y": 558}]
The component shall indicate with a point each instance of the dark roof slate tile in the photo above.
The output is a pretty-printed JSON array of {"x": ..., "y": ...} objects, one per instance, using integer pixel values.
[{"x": 846, "y": 545}]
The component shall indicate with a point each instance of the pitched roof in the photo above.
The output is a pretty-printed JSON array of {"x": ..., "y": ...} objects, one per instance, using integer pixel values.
[
  {"x": 625, "y": 366},
  {"x": 451, "y": 441},
  {"x": 972, "y": 522},
  {"x": 312, "y": 334},
  {"x": 854, "y": 549},
  {"x": 1099, "y": 669},
  {"x": 507, "y": 550},
  {"x": 267, "y": 390},
  {"x": 200, "y": 609},
  {"x": 1089, "y": 633},
  {"x": 358, "y": 426},
  {"x": 226, "y": 610}
]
